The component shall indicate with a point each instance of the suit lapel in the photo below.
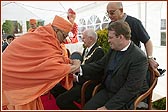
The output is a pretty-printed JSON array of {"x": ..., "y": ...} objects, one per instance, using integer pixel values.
[
  {"x": 92, "y": 49},
  {"x": 90, "y": 52}
]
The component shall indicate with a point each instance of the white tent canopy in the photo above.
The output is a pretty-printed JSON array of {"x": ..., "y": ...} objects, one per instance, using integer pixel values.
[
  {"x": 13, "y": 11},
  {"x": 44, "y": 10},
  {"x": 22, "y": 11}
]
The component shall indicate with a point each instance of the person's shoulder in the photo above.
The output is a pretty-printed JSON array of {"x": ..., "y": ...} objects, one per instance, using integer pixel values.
[
  {"x": 100, "y": 49},
  {"x": 137, "y": 50},
  {"x": 131, "y": 18},
  {"x": 97, "y": 47},
  {"x": 5, "y": 44}
]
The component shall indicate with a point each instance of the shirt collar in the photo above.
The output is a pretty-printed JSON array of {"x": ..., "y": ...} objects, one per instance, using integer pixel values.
[
  {"x": 7, "y": 42},
  {"x": 125, "y": 48},
  {"x": 124, "y": 17},
  {"x": 90, "y": 47}
]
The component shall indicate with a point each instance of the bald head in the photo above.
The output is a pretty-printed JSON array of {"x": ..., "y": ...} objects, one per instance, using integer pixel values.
[
  {"x": 115, "y": 5},
  {"x": 115, "y": 11}
]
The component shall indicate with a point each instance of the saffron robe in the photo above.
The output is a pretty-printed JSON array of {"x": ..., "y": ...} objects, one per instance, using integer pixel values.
[{"x": 32, "y": 65}]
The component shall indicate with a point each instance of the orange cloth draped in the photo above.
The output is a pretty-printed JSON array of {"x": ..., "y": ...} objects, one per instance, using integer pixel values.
[
  {"x": 31, "y": 30},
  {"x": 67, "y": 81},
  {"x": 62, "y": 24},
  {"x": 65, "y": 50},
  {"x": 32, "y": 65}
]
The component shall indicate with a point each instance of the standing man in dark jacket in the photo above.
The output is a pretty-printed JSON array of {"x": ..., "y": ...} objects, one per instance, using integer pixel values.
[
  {"x": 138, "y": 32},
  {"x": 91, "y": 53},
  {"x": 124, "y": 68}
]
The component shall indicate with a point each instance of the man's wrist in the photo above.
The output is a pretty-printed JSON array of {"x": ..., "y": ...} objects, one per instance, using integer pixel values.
[{"x": 151, "y": 57}]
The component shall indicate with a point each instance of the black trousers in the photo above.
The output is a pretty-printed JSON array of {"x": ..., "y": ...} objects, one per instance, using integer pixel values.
[
  {"x": 97, "y": 101},
  {"x": 57, "y": 90},
  {"x": 101, "y": 98},
  {"x": 66, "y": 99}
]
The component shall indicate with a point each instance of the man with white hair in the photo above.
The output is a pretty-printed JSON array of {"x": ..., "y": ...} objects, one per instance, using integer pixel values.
[{"x": 91, "y": 53}]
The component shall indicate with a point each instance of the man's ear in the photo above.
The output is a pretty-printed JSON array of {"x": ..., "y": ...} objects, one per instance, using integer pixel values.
[
  {"x": 121, "y": 9},
  {"x": 68, "y": 17},
  {"x": 121, "y": 36}
]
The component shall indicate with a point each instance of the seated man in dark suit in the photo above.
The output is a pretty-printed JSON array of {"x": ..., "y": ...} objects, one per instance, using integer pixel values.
[
  {"x": 91, "y": 53},
  {"x": 124, "y": 67}
]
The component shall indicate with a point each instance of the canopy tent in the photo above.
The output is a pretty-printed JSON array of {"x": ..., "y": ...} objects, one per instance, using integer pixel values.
[
  {"x": 22, "y": 11},
  {"x": 45, "y": 10}
]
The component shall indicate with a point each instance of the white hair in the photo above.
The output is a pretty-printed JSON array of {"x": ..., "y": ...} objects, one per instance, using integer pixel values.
[{"x": 91, "y": 33}]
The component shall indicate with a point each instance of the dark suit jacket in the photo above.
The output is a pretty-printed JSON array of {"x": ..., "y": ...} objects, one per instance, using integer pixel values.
[
  {"x": 4, "y": 46},
  {"x": 128, "y": 79},
  {"x": 98, "y": 53}
]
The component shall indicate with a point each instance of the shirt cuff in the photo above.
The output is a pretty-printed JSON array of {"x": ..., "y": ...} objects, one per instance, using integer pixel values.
[
  {"x": 76, "y": 77},
  {"x": 77, "y": 80},
  {"x": 80, "y": 72}
]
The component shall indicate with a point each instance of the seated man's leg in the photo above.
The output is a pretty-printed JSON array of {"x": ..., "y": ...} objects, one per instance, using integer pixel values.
[
  {"x": 57, "y": 90},
  {"x": 97, "y": 101},
  {"x": 65, "y": 100}
]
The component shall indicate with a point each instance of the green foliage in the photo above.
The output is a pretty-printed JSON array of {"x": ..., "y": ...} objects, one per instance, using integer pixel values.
[
  {"x": 40, "y": 23},
  {"x": 103, "y": 39},
  {"x": 8, "y": 27},
  {"x": 160, "y": 104},
  {"x": 27, "y": 25},
  {"x": 11, "y": 27},
  {"x": 20, "y": 28}
]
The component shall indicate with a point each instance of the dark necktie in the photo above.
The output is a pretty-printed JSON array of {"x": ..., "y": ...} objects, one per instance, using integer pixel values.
[{"x": 86, "y": 52}]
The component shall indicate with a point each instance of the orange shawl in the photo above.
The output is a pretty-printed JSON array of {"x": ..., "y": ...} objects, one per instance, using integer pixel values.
[
  {"x": 31, "y": 66},
  {"x": 31, "y": 30}
]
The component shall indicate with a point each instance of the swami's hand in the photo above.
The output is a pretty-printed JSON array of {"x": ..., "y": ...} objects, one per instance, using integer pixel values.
[
  {"x": 76, "y": 62},
  {"x": 75, "y": 67},
  {"x": 74, "y": 78}
]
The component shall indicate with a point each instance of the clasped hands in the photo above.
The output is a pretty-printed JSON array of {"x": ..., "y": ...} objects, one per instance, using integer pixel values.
[{"x": 75, "y": 65}]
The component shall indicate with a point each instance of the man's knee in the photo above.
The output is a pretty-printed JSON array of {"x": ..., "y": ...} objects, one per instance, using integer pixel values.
[{"x": 60, "y": 101}]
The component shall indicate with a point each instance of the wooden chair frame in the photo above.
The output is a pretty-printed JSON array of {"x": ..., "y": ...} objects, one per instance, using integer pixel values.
[
  {"x": 83, "y": 90},
  {"x": 154, "y": 74}
]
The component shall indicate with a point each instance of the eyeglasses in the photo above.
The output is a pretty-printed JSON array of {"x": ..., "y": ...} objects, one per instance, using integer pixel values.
[
  {"x": 115, "y": 36},
  {"x": 111, "y": 12},
  {"x": 111, "y": 37}
]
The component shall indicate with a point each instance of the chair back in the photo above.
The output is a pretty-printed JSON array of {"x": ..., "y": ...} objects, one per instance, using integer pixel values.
[{"x": 152, "y": 78}]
